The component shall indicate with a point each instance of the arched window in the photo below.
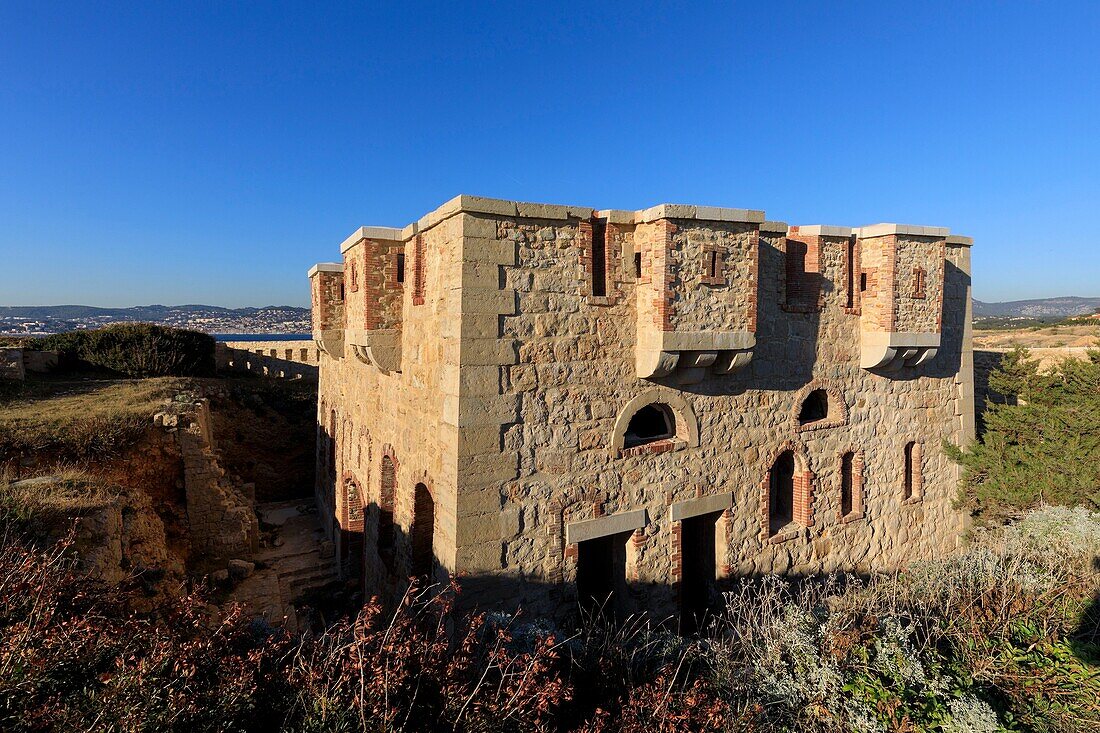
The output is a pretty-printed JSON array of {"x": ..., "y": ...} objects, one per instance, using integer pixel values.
[
  {"x": 654, "y": 421},
  {"x": 818, "y": 406},
  {"x": 423, "y": 531},
  {"x": 814, "y": 408},
  {"x": 781, "y": 492},
  {"x": 387, "y": 491},
  {"x": 650, "y": 424}
]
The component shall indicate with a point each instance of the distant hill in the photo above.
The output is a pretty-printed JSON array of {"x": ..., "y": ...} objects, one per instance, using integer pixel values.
[
  {"x": 45, "y": 319},
  {"x": 139, "y": 312},
  {"x": 1040, "y": 308}
]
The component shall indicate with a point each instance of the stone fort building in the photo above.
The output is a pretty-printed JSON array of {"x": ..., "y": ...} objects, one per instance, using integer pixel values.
[{"x": 555, "y": 404}]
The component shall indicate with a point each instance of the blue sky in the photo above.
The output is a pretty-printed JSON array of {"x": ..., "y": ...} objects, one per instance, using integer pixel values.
[{"x": 211, "y": 152}]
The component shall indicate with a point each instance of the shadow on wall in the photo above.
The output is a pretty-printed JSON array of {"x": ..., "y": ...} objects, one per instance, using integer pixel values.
[
  {"x": 385, "y": 557},
  {"x": 283, "y": 362}
]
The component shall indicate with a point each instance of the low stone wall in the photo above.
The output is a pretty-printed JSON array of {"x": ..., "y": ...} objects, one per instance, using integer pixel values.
[
  {"x": 11, "y": 364},
  {"x": 281, "y": 359}
]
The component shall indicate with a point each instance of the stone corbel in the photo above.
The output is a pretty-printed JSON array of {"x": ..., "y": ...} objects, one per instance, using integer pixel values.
[
  {"x": 690, "y": 353},
  {"x": 889, "y": 352},
  {"x": 382, "y": 348},
  {"x": 330, "y": 342}
]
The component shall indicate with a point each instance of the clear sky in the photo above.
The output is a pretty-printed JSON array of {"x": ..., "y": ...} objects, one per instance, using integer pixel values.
[{"x": 210, "y": 152}]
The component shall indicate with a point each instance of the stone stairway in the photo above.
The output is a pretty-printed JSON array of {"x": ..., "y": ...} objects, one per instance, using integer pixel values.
[{"x": 298, "y": 559}]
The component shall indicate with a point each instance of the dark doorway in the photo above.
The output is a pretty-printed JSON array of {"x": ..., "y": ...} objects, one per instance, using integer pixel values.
[
  {"x": 698, "y": 570},
  {"x": 781, "y": 500},
  {"x": 423, "y": 532},
  {"x": 601, "y": 576}
]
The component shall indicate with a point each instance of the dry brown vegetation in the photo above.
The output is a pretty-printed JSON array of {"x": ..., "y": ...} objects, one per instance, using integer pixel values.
[{"x": 77, "y": 420}]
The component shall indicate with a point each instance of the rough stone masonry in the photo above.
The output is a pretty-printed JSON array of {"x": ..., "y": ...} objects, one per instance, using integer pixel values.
[{"x": 559, "y": 405}]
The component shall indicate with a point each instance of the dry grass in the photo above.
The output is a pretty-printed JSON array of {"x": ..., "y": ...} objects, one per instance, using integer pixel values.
[
  {"x": 79, "y": 420},
  {"x": 51, "y": 502},
  {"x": 1039, "y": 337}
]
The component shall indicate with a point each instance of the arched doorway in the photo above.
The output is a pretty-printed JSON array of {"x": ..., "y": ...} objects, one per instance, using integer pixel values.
[{"x": 423, "y": 532}]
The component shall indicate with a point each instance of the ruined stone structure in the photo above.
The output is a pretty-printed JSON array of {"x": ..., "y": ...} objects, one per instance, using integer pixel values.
[{"x": 558, "y": 404}]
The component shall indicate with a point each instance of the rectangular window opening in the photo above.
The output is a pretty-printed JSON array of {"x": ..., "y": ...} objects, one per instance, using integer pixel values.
[
  {"x": 863, "y": 282},
  {"x": 400, "y": 267},
  {"x": 599, "y": 258},
  {"x": 637, "y": 264},
  {"x": 851, "y": 262}
]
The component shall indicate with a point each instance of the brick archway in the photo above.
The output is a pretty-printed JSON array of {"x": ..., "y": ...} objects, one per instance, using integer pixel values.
[{"x": 802, "y": 502}]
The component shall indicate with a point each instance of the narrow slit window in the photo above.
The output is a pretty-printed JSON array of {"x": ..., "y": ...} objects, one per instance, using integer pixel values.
[
  {"x": 637, "y": 264},
  {"x": 599, "y": 258},
  {"x": 400, "y": 267},
  {"x": 918, "y": 283},
  {"x": 912, "y": 480},
  {"x": 712, "y": 264},
  {"x": 847, "y": 499},
  {"x": 851, "y": 262}
]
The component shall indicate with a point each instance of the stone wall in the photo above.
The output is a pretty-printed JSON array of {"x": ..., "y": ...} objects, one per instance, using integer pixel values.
[
  {"x": 11, "y": 364},
  {"x": 221, "y": 520},
  {"x": 294, "y": 359},
  {"x": 517, "y": 383}
]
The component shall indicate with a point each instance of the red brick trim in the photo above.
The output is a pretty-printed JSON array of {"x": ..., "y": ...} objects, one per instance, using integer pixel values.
[
  {"x": 838, "y": 408},
  {"x": 658, "y": 446},
  {"x": 418, "y": 270},
  {"x": 803, "y": 504},
  {"x": 561, "y": 559},
  {"x": 802, "y": 291},
  {"x": 714, "y": 254},
  {"x": 351, "y": 505},
  {"x": 613, "y": 273},
  {"x": 852, "y": 271},
  {"x": 920, "y": 278}
]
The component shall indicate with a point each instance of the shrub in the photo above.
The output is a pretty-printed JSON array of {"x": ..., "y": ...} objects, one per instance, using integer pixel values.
[
  {"x": 1041, "y": 444},
  {"x": 997, "y": 638},
  {"x": 136, "y": 350}
]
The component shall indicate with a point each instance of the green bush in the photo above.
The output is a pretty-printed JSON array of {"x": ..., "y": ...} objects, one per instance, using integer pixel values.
[
  {"x": 136, "y": 350},
  {"x": 1041, "y": 442}
]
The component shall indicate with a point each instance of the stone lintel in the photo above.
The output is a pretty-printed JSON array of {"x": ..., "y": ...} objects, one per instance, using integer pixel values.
[
  {"x": 590, "y": 529},
  {"x": 325, "y": 267},
  {"x": 616, "y": 216},
  {"x": 386, "y": 233},
  {"x": 701, "y": 213},
  {"x": 697, "y": 340},
  {"x": 682, "y": 510},
  {"x": 959, "y": 240},
  {"x": 773, "y": 227},
  {"x": 883, "y": 230},
  {"x": 820, "y": 230},
  {"x": 898, "y": 339}
]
